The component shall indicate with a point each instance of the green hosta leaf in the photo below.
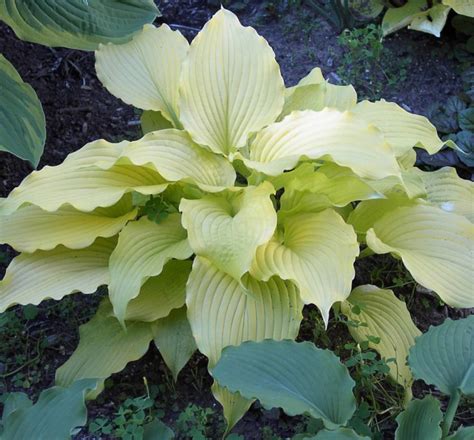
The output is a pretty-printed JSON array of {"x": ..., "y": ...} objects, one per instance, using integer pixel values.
[
  {"x": 341, "y": 137},
  {"x": 153, "y": 121},
  {"x": 22, "y": 122},
  {"x": 104, "y": 348},
  {"x": 316, "y": 251},
  {"x": 76, "y": 24},
  {"x": 401, "y": 129},
  {"x": 338, "y": 434},
  {"x": 143, "y": 249},
  {"x": 174, "y": 339},
  {"x": 462, "y": 434},
  {"x": 444, "y": 188},
  {"x": 155, "y": 82},
  {"x": 161, "y": 294},
  {"x": 435, "y": 246},
  {"x": 157, "y": 430},
  {"x": 30, "y": 228},
  {"x": 222, "y": 312},
  {"x": 228, "y": 227},
  {"x": 387, "y": 318},
  {"x": 30, "y": 278},
  {"x": 14, "y": 402},
  {"x": 298, "y": 377},
  {"x": 56, "y": 414},
  {"x": 230, "y": 86},
  {"x": 420, "y": 421},
  {"x": 466, "y": 119},
  {"x": 444, "y": 356}
]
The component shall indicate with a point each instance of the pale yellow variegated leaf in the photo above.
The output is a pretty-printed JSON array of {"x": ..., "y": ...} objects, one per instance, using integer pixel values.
[
  {"x": 317, "y": 252},
  {"x": 177, "y": 158},
  {"x": 402, "y": 130},
  {"x": 383, "y": 315},
  {"x": 84, "y": 188},
  {"x": 366, "y": 213},
  {"x": 463, "y": 7},
  {"x": 104, "y": 348},
  {"x": 318, "y": 96},
  {"x": 231, "y": 85},
  {"x": 143, "y": 249},
  {"x": 31, "y": 278},
  {"x": 436, "y": 247},
  {"x": 445, "y": 189},
  {"x": 30, "y": 228},
  {"x": 174, "y": 339},
  {"x": 145, "y": 71},
  {"x": 221, "y": 313},
  {"x": 331, "y": 185},
  {"x": 313, "y": 77},
  {"x": 228, "y": 227},
  {"x": 341, "y": 137},
  {"x": 161, "y": 294}
]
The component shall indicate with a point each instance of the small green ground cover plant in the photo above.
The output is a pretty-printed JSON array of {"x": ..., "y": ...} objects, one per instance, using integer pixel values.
[
  {"x": 245, "y": 201},
  {"x": 367, "y": 64}
]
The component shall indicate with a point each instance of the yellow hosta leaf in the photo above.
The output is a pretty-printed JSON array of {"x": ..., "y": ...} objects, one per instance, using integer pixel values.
[
  {"x": 221, "y": 313},
  {"x": 448, "y": 191},
  {"x": 463, "y": 7},
  {"x": 431, "y": 21},
  {"x": 402, "y": 130},
  {"x": 174, "y": 339},
  {"x": 331, "y": 185},
  {"x": 84, "y": 188},
  {"x": 230, "y": 86},
  {"x": 313, "y": 77},
  {"x": 317, "y": 252},
  {"x": 145, "y": 71},
  {"x": 341, "y": 137},
  {"x": 366, "y": 213},
  {"x": 177, "y": 158},
  {"x": 407, "y": 184},
  {"x": 104, "y": 348},
  {"x": 383, "y": 315},
  {"x": 436, "y": 247},
  {"x": 161, "y": 294},
  {"x": 318, "y": 96},
  {"x": 143, "y": 249},
  {"x": 31, "y": 278},
  {"x": 30, "y": 228},
  {"x": 228, "y": 227}
]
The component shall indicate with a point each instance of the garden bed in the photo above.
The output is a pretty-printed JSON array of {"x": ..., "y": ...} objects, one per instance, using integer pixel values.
[{"x": 37, "y": 340}]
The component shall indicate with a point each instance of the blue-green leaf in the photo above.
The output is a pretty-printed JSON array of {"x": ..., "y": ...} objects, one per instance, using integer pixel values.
[
  {"x": 298, "y": 377},
  {"x": 420, "y": 421}
]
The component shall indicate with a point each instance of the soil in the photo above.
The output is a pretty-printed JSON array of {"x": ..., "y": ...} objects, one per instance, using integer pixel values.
[{"x": 79, "y": 110}]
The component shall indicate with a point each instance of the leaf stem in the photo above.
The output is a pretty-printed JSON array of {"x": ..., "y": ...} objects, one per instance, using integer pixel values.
[{"x": 451, "y": 412}]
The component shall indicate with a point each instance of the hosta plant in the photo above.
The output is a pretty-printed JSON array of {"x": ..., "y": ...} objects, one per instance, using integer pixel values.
[{"x": 246, "y": 201}]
